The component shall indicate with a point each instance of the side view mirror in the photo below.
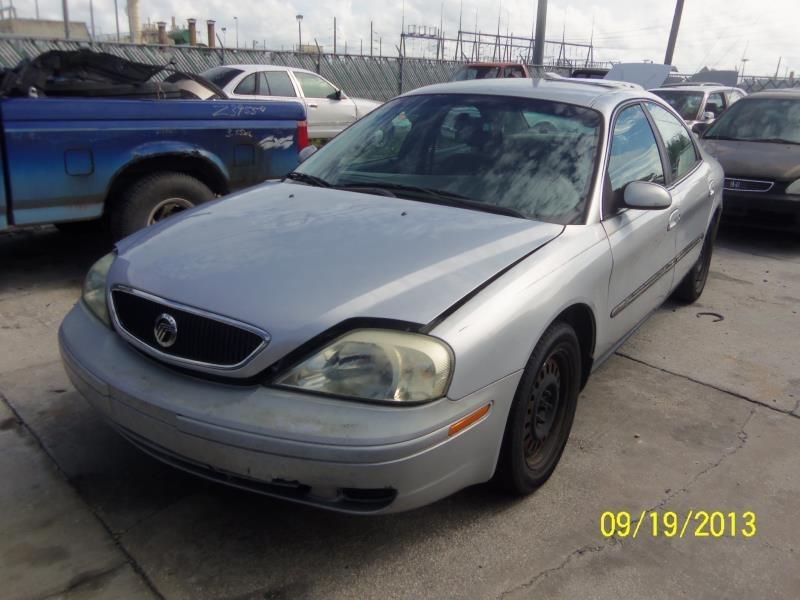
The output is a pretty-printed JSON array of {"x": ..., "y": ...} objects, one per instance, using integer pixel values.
[
  {"x": 700, "y": 127},
  {"x": 337, "y": 95},
  {"x": 708, "y": 116},
  {"x": 645, "y": 195},
  {"x": 306, "y": 152}
]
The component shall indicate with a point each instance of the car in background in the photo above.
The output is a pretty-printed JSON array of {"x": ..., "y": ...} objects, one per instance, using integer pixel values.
[
  {"x": 699, "y": 102},
  {"x": 589, "y": 73},
  {"x": 491, "y": 70},
  {"x": 416, "y": 308},
  {"x": 329, "y": 109},
  {"x": 757, "y": 141}
]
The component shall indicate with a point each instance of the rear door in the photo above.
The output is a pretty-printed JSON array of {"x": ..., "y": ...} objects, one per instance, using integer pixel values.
[
  {"x": 688, "y": 180},
  {"x": 642, "y": 242},
  {"x": 276, "y": 85},
  {"x": 327, "y": 115}
]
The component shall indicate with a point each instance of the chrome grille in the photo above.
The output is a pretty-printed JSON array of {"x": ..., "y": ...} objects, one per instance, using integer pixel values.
[
  {"x": 735, "y": 184},
  {"x": 200, "y": 338}
]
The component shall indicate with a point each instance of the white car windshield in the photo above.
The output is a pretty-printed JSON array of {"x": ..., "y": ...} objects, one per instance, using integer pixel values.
[{"x": 535, "y": 158}]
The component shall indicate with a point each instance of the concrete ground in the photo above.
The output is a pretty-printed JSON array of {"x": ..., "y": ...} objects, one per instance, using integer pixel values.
[{"x": 699, "y": 410}]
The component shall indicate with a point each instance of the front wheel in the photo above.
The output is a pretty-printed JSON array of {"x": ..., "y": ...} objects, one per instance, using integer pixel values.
[
  {"x": 154, "y": 198},
  {"x": 541, "y": 415}
]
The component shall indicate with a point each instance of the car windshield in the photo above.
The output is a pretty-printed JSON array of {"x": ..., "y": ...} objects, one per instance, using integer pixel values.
[
  {"x": 466, "y": 73},
  {"x": 221, "y": 76},
  {"x": 533, "y": 158},
  {"x": 687, "y": 104},
  {"x": 759, "y": 120}
]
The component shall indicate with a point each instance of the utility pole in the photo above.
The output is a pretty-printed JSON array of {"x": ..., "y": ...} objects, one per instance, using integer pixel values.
[
  {"x": 65, "y": 9},
  {"x": 37, "y": 10},
  {"x": 334, "y": 36},
  {"x": 236, "y": 20},
  {"x": 673, "y": 33},
  {"x": 541, "y": 25},
  {"x": 299, "y": 33},
  {"x": 370, "y": 38},
  {"x": 778, "y": 68},
  {"x": 91, "y": 16},
  {"x": 116, "y": 16}
]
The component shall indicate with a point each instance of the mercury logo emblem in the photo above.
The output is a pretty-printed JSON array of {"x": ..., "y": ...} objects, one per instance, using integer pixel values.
[{"x": 165, "y": 330}]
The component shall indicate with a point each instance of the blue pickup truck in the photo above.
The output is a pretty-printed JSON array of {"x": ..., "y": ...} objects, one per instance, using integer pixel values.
[{"x": 132, "y": 162}]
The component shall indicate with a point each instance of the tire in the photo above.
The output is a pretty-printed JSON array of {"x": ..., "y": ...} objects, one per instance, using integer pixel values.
[
  {"x": 153, "y": 198},
  {"x": 694, "y": 282},
  {"x": 532, "y": 447}
]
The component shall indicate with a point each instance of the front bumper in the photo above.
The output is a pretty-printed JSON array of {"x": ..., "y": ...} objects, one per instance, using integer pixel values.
[
  {"x": 346, "y": 456},
  {"x": 775, "y": 211}
]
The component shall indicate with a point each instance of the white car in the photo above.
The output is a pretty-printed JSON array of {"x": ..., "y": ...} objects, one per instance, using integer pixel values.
[{"x": 329, "y": 109}]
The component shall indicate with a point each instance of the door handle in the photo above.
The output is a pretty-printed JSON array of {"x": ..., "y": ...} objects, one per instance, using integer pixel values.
[
  {"x": 310, "y": 105},
  {"x": 674, "y": 219}
]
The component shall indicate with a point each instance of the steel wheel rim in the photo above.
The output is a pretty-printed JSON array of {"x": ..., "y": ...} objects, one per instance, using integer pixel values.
[
  {"x": 167, "y": 208},
  {"x": 545, "y": 411}
]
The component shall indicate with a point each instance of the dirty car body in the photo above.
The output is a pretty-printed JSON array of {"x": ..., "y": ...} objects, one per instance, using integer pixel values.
[{"x": 415, "y": 309}]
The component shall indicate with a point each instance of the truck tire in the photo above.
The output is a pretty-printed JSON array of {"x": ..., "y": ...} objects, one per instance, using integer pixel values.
[{"x": 153, "y": 198}]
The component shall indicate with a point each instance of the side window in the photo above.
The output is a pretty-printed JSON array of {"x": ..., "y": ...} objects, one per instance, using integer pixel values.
[
  {"x": 276, "y": 83},
  {"x": 634, "y": 154},
  {"x": 680, "y": 148},
  {"x": 715, "y": 104},
  {"x": 514, "y": 71},
  {"x": 314, "y": 86},
  {"x": 246, "y": 85}
]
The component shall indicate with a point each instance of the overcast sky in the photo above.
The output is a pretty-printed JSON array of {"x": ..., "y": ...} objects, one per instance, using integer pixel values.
[{"x": 717, "y": 33}]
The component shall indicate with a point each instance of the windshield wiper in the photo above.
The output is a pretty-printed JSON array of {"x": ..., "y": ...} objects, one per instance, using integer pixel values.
[
  {"x": 442, "y": 197},
  {"x": 309, "y": 179}
]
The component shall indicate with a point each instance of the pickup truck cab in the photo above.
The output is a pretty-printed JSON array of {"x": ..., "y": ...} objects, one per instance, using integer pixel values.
[
  {"x": 135, "y": 162},
  {"x": 490, "y": 70},
  {"x": 329, "y": 109}
]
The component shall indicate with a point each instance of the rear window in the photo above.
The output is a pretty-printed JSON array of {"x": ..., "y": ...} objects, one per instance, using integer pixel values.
[
  {"x": 221, "y": 76},
  {"x": 466, "y": 73}
]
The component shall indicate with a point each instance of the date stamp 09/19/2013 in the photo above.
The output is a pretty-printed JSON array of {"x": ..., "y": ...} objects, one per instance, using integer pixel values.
[{"x": 670, "y": 524}]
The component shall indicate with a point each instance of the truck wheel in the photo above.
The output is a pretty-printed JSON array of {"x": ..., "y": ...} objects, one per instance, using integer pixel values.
[{"x": 154, "y": 198}]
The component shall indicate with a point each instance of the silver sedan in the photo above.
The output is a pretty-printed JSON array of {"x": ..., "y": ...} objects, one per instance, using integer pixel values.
[{"x": 416, "y": 308}]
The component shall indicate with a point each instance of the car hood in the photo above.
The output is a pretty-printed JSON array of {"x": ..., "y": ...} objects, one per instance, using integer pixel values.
[
  {"x": 296, "y": 260},
  {"x": 759, "y": 160}
]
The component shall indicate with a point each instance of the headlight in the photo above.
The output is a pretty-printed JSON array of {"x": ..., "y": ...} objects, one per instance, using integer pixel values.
[
  {"x": 794, "y": 187},
  {"x": 94, "y": 288},
  {"x": 377, "y": 364}
]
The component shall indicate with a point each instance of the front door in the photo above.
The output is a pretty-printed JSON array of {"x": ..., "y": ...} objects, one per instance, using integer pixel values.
[
  {"x": 642, "y": 241},
  {"x": 327, "y": 113}
]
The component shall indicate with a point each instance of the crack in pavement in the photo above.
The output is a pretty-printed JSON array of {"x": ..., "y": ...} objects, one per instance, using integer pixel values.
[
  {"x": 783, "y": 411},
  {"x": 588, "y": 549},
  {"x": 117, "y": 542},
  {"x": 82, "y": 579},
  {"x": 614, "y": 541}
]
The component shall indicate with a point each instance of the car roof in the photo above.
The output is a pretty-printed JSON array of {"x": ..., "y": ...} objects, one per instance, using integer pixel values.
[
  {"x": 694, "y": 87},
  {"x": 582, "y": 92},
  {"x": 251, "y": 68}
]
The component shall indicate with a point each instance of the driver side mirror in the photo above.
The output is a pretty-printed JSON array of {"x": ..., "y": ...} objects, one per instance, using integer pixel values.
[
  {"x": 645, "y": 195},
  {"x": 337, "y": 95},
  {"x": 708, "y": 116}
]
